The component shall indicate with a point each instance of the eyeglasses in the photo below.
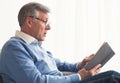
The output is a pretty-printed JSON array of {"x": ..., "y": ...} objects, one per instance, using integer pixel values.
[{"x": 45, "y": 22}]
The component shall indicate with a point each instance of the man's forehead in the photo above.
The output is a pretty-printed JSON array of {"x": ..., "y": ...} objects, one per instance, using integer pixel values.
[{"x": 43, "y": 15}]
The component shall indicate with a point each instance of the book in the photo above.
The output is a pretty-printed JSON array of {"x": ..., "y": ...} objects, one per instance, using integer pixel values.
[{"x": 103, "y": 55}]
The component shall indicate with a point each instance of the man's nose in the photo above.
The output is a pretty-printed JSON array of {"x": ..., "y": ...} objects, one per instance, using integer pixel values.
[{"x": 48, "y": 27}]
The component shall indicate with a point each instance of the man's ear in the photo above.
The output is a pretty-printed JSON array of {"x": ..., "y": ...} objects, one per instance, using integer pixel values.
[{"x": 29, "y": 21}]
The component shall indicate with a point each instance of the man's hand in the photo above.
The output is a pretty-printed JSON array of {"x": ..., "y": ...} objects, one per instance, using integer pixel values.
[
  {"x": 85, "y": 61},
  {"x": 84, "y": 73}
]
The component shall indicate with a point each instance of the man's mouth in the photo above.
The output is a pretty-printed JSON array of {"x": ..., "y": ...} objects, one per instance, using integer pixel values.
[{"x": 45, "y": 34}]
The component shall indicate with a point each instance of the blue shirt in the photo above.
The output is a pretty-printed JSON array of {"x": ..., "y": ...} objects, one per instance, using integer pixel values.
[{"x": 23, "y": 60}]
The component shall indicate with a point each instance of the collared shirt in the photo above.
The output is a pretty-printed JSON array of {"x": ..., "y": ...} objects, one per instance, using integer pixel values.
[
  {"x": 23, "y": 60},
  {"x": 27, "y": 38}
]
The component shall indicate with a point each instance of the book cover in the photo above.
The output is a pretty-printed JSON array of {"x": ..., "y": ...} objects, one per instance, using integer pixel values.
[{"x": 103, "y": 55}]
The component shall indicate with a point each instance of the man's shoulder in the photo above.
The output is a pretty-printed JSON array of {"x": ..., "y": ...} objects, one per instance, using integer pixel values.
[{"x": 14, "y": 41}]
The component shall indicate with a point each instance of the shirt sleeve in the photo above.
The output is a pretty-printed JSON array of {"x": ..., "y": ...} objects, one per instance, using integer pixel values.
[
  {"x": 21, "y": 68},
  {"x": 65, "y": 66}
]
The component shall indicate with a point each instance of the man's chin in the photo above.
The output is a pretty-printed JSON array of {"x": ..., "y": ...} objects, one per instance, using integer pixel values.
[{"x": 43, "y": 39}]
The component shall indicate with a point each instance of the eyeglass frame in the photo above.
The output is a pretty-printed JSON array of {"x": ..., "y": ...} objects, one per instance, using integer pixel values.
[{"x": 45, "y": 22}]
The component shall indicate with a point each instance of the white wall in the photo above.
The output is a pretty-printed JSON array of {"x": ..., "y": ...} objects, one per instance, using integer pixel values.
[{"x": 79, "y": 27}]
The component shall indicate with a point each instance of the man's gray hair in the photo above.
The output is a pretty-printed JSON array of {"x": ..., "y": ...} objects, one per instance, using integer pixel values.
[{"x": 31, "y": 9}]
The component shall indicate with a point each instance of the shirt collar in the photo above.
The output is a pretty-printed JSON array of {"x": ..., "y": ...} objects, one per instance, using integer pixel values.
[{"x": 27, "y": 38}]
